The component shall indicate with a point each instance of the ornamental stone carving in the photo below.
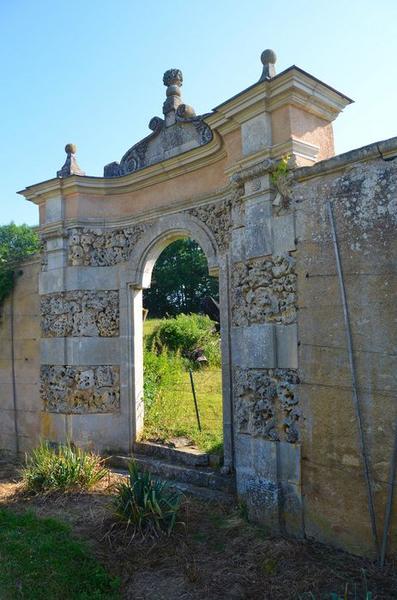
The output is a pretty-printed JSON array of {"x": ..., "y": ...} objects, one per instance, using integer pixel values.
[
  {"x": 218, "y": 217},
  {"x": 79, "y": 390},
  {"x": 181, "y": 130},
  {"x": 267, "y": 404},
  {"x": 80, "y": 313},
  {"x": 264, "y": 291},
  {"x": 99, "y": 248}
]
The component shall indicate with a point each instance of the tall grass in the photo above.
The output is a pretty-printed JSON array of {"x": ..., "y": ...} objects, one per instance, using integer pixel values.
[
  {"x": 61, "y": 469},
  {"x": 169, "y": 407}
]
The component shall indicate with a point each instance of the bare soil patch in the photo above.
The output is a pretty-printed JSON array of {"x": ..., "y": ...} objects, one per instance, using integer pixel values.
[{"x": 213, "y": 554}]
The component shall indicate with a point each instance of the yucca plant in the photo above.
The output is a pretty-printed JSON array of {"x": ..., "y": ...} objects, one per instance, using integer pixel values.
[
  {"x": 61, "y": 469},
  {"x": 146, "y": 504}
]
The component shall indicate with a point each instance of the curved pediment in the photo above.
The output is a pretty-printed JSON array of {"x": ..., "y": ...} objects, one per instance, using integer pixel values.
[{"x": 180, "y": 130}]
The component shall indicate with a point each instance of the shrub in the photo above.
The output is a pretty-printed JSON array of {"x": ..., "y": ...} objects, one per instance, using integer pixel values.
[
  {"x": 17, "y": 242},
  {"x": 145, "y": 504},
  {"x": 62, "y": 469},
  {"x": 185, "y": 334}
]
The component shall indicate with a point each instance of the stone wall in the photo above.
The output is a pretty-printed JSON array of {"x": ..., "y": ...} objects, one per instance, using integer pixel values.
[
  {"x": 290, "y": 426},
  {"x": 362, "y": 187},
  {"x": 26, "y": 342}
]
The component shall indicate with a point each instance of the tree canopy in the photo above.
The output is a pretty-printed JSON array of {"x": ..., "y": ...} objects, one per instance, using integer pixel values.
[
  {"x": 180, "y": 281},
  {"x": 17, "y": 242}
]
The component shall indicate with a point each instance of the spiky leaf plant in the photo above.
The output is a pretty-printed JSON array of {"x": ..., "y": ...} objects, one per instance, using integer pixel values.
[{"x": 145, "y": 504}]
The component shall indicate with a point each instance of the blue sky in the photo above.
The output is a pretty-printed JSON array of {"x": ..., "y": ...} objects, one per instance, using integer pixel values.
[{"x": 90, "y": 72}]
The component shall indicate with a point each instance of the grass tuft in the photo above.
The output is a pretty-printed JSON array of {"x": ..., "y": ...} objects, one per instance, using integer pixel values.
[{"x": 61, "y": 469}]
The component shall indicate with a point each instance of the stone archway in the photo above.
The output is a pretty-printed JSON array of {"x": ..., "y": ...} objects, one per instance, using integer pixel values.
[{"x": 137, "y": 277}]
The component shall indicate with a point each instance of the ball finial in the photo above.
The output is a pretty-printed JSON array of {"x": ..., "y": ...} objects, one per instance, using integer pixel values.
[
  {"x": 268, "y": 59},
  {"x": 70, "y": 148}
]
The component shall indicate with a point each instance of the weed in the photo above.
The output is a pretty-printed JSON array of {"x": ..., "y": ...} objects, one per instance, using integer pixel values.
[
  {"x": 145, "y": 504},
  {"x": 61, "y": 469},
  {"x": 243, "y": 511},
  {"x": 269, "y": 566}
]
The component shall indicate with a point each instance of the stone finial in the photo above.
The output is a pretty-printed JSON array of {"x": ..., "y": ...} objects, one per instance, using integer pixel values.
[
  {"x": 70, "y": 167},
  {"x": 268, "y": 59},
  {"x": 173, "y": 79}
]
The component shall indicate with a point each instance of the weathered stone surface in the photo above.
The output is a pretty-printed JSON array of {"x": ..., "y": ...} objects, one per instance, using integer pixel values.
[
  {"x": 101, "y": 248},
  {"x": 264, "y": 290},
  {"x": 80, "y": 313},
  {"x": 79, "y": 390},
  {"x": 218, "y": 217},
  {"x": 364, "y": 200},
  {"x": 267, "y": 403}
]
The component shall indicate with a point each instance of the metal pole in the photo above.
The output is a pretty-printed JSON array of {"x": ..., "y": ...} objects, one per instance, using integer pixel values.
[
  {"x": 389, "y": 503},
  {"x": 195, "y": 399},
  {"x": 356, "y": 402}
]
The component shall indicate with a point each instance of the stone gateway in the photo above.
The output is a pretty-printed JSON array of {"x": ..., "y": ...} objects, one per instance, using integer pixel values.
[{"x": 253, "y": 183}]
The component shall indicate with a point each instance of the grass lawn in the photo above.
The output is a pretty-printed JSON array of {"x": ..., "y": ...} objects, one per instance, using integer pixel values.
[
  {"x": 40, "y": 559},
  {"x": 172, "y": 414}
]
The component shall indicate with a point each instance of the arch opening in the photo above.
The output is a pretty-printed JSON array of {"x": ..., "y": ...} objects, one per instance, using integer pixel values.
[{"x": 182, "y": 358}]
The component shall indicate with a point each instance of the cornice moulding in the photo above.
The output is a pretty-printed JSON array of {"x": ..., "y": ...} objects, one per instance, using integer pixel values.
[
  {"x": 300, "y": 89},
  {"x": 292, "y": 86},
  {"x": 173, "y": 167},
  {"x": 296, "y": 147}
]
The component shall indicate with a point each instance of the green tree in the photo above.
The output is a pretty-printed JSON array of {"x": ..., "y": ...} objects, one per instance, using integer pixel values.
[
  {"x": 180, "y": 281},
  {"x": 17, "y": 242}
]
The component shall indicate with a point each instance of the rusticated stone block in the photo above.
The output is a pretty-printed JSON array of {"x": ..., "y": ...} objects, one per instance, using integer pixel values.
[
  {"x": 99, "y": 248},
  {"x": 80, "y": 313},
  {"x": 264, "y": 290},
  {"x": 79, "y": 390},
  {"x": 218, "y": 217},
  {"x": 267, "y": 403}
]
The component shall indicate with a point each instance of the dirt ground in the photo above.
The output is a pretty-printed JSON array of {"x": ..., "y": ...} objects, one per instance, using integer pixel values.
[{"x": 214, "y": 553}]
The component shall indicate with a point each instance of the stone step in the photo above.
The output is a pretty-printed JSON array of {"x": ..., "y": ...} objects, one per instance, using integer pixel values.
[
  {"x": 188, "y": 489},
  {"x": 204, "y": 477},
  {"x": 184, "y": 456}
]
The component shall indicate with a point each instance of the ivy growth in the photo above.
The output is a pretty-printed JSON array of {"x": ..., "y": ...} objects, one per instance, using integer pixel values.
[{"x": 17, "y": 242}]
